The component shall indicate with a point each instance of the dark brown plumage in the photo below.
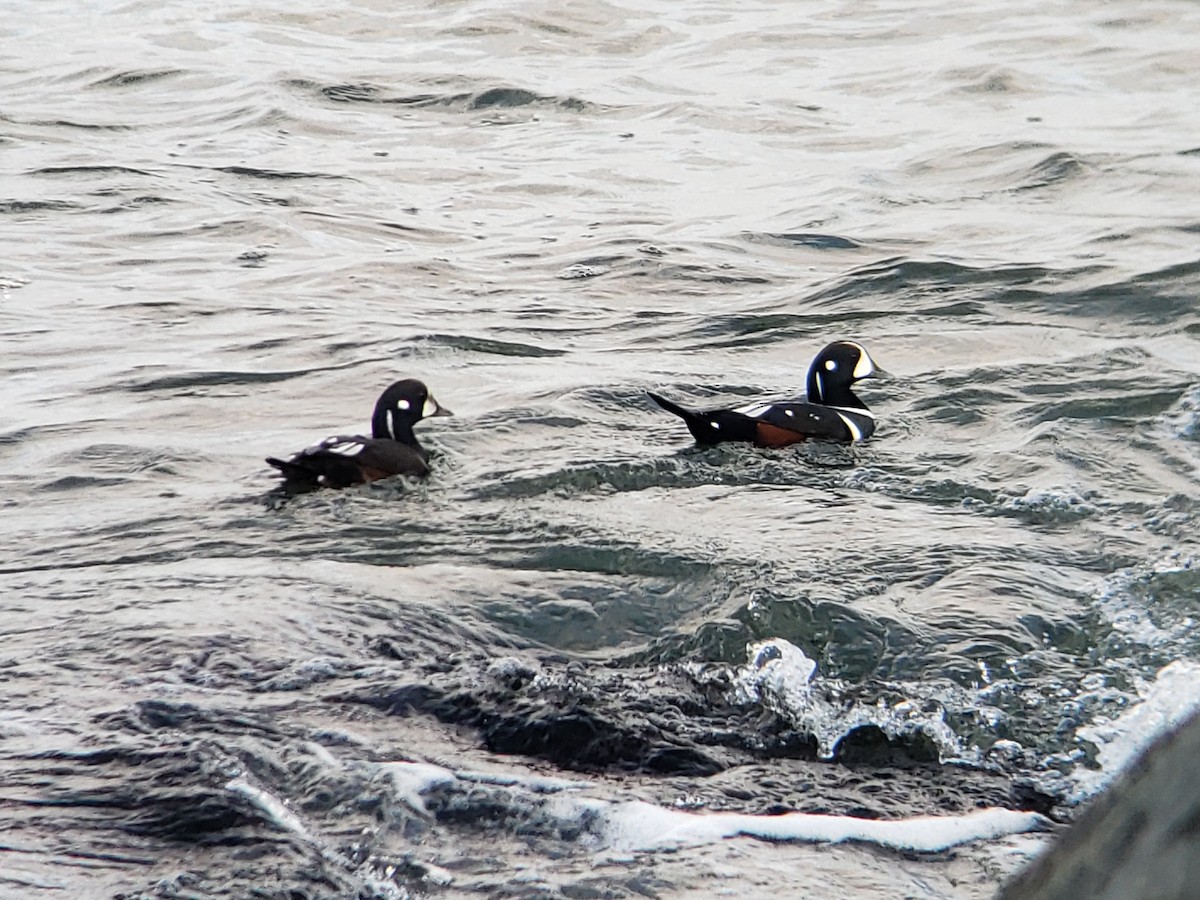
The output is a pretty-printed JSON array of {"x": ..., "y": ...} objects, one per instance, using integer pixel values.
[
  {"x": 392, "y": 448},
  {"x": 830, "y": 412}
]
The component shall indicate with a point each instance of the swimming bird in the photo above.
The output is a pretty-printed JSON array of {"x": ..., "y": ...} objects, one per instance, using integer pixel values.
[
  {"x": 392, "y": 448},
  {"x": 831, "y": 411}
]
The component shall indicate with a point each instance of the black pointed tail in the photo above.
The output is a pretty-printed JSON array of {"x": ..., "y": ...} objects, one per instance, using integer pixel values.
[
  {"x": 293, "y": 471},
  {"x": 697, "y": 423},
  {"x": 671, "y": 407}
]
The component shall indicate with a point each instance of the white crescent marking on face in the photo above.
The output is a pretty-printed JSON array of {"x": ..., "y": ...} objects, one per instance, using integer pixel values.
[
  {"x": 865, "y": 365},
  {"x": 820, "y": 387},
  {"x": 855, "y": 431},
  {"x": 430, "y": 407}
]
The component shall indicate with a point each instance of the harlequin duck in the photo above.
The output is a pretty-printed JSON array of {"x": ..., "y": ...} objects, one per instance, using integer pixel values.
[
  {"x": 392, "y": 449},
  {"x": 831, "y": 412}
]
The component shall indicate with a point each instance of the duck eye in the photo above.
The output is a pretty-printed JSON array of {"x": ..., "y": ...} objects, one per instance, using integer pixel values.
[{"x": 831, "y": 364}]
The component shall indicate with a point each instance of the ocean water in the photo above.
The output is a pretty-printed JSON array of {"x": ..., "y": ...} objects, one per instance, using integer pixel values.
[{"x": 585, "y": 658}]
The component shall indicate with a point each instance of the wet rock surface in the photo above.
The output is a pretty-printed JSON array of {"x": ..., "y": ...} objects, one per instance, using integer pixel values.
[
  {"x": 679, "y": 733},
  {"x": 297, "y": 793},
  {"x": 1140, "y": 838}
]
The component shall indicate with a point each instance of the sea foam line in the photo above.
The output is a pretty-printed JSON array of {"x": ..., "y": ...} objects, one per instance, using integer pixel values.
[{"x": 640, "y": 826}]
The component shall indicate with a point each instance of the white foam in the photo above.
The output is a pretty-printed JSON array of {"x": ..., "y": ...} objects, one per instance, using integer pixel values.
[
  {"x": 1181, "y": 424},
  {"x": 1120, "y": 603},
  {"x": 410, "y": 780},
  {"x": 1049, "y": 502},
  {"x": 1182, "y": 420},
  {"x": 274, "y": 808},
  {"x": 1166, "y": 702},
  {"x": 641, "y": 826},
  {"x": 629, "y": 826},
  {"x": 779, "y": 676},
  {"x": 539, "y": 784},
  {"x": 777, "y": 667}
]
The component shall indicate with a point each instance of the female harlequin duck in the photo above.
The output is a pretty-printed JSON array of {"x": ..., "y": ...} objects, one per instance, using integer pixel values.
[
  {"x": 392, "y": 448},
  {"x": 830, "y": 413}
]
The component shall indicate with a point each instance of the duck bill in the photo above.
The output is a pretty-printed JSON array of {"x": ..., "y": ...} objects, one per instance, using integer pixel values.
[
  {"x": 433, "y": 408},
  {"x": 875, "y": 372},
  {"x": 865, "y": 367}
]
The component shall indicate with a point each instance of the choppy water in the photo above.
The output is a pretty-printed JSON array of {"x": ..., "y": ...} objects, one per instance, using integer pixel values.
[{"x": 227, "y": 226}]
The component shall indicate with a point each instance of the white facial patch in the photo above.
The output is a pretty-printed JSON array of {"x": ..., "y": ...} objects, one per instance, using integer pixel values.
[
  {"x": 404, "y": 404},
  {"x": 865, "y": 365},
  {"x": 831, "y": 364},
  {"x": 430, "y": 408},
  {"x": 855, "y": 431},
  {"x": 789, "y": 412},
  {"x": 820, "y": 388},
  {"x": 715, "y": 425}
]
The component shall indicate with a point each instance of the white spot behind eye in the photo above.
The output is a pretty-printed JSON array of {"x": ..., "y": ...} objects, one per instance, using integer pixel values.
[
  {"x": 403, "y": 404},
  {"x": 788, "y": 412},
  {"x": 831, "y": 364},
  {"x": 716, "y": 425}
]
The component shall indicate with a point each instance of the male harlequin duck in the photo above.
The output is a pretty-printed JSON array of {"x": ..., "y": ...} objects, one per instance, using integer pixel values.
[
  {"x": 392, "y": 448},
  {"x": 830, "y": 413}
]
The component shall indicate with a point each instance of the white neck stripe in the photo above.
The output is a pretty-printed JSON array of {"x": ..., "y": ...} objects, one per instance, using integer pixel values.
[
  {"x": 855, "y": 410},
  {"x": 855, "y": 431}
]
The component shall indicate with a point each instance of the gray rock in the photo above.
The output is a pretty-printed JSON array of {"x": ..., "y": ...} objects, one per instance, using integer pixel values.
[{"x": 1139, "y": 839}]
